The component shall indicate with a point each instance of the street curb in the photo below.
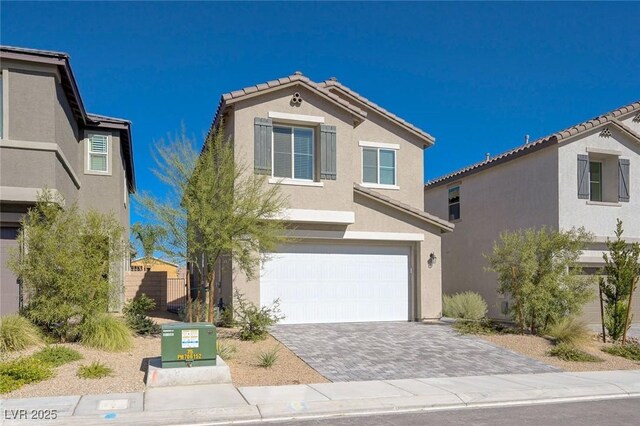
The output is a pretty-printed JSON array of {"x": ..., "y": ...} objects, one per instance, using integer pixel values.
[{"x": 327, "y": 409}]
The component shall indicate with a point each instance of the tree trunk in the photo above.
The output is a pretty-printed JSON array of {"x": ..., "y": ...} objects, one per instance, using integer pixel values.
[
  {"x": 212, "y": 286},
  {"x": 626, "y": 319},
  {"x": 604, "y": 334},
  {"x": 188, "y": 298}
]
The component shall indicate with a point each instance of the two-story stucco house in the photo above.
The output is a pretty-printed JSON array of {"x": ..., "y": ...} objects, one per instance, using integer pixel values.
[
  {"x": 364, "y": 248},
  {"x": 586, "y": 176},
  {"x": 49, "y": 140}
]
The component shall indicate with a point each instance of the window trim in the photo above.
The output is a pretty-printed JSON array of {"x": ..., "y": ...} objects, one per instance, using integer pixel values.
[
  {"x": 449, "y": 204},
  {"x": 600, "y": 182},
  {"x": 379, "y": 147},
  {"x": 291, "y": 179},
  {"x": 88, "y": 153}
]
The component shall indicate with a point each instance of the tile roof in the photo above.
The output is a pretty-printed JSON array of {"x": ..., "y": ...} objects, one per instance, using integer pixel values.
[
  {"x": 297, "y": 77},
  {"x": 333, "y": 83},
  {"x": 427, "y": 217},
  {"x": 607, "y": 118}
]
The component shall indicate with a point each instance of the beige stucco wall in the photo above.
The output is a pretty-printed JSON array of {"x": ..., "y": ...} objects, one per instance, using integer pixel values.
[
  {"x": 518, "y": 194},
  {"x": 370, "y": 216},
  {"x": 32, "y": 97}
]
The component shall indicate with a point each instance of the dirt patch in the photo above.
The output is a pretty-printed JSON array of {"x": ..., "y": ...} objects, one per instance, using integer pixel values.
[
  {"x": 129, "y": 367},
  {"x": 245, "y": 371},
  {"x": 536, "y": 347}
]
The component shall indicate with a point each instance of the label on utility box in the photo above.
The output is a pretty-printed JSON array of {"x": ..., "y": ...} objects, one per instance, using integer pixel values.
[{"x": 190, "y": 339}]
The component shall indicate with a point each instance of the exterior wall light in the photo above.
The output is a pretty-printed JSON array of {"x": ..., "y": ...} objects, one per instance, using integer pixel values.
[{"x": 432, "y": 260}]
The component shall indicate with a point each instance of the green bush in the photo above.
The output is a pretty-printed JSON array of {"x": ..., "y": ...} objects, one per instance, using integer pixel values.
[
  {"x": 17, "y": 333},
  {"x": 267, "y": 359},
  {"x": 26, "y": 370},
  {"x": 569, "y": 330},
  {"x": 106, "y": 332},
  {"x": 95, "y": 370},
  {"x": 484, "y": 326},
  {"x": 135, "y": 315},
  {"x": 629, "y": 350},
  {"x": 224, "y": 318},
  {"x": 57, "y": 355},
  {"x": 225, "y": 351},
  {"x": 8, "y": 384},
  {"x": 467, "y": 305},
  {"x": 253, "y": 321},
  {"x": 539, "y": 270},
  {"x": 568, "y": 352}
]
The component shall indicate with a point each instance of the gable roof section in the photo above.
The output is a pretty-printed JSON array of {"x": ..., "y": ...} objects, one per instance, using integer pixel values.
[
  {"x": 297, "y": 78},
  {"x": 609, "y": 118},
  {"x": 70, "y": 87},
  {"x": 333, "y": 83},
  {"x": 156, "y": 259},
  {"x": 444, "y": 225}
]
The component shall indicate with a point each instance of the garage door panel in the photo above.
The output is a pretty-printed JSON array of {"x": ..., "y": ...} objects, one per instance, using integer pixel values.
[{"x": 332, "y": 283}]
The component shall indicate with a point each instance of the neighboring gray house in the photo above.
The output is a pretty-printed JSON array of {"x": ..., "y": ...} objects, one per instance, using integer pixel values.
[
  {"x": 364, "y": 248},
  {"x": 47, "y": 139},
  {"x": 585, "y": 176}
]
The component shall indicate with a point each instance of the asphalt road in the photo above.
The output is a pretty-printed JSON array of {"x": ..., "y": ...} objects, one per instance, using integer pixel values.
[{"x": 607, "y": 413}]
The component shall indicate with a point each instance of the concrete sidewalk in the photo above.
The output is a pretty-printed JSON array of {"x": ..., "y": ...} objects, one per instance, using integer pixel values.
[{"x": 212, "y": 404}]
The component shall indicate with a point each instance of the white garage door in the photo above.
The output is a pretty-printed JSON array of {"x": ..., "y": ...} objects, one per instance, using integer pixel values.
[{"x": 337, "y": 283}]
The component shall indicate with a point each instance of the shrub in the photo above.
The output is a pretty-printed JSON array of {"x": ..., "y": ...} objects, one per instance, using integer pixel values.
[
  {"x": 106, "y": 332},
  {"x": 224, "y": 317},
  {"x": 17, "y": 333},
  {"x": 569, "y": 330},
  {"x": 95, "y": 370},
  {"x": 539, "y": 270},
  {"x": 267, "y": 359},
  {"x": 621, "y": 272},
  {"x": 225, "y": 351},
  {"x": 8, "y": 384},
  {"x": 66, "y": 263},
  {"x": 254, "y": 321},
  {"x": 477, "y": 327},
  {"x": 568, "y": 352},
  {"x": 467, "y": 305},
  {"x": 57, "y": 355},
  {"x": 629, "y": 350},
  {"x": 26, "y": 370},
  {"x": 135, "y": 315}
]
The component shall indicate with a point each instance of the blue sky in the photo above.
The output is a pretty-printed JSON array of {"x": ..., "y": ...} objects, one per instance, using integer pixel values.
[{"x": 477, "y": 76}]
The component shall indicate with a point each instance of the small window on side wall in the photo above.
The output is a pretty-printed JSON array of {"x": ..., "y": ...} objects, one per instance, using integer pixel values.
[
  {"x": 454, "y": 203},
  {"x": 98, "y": 153}
]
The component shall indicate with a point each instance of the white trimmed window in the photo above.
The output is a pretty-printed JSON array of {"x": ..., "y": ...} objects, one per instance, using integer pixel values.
[
  {"x": 98, "y": 153},
  {"x": 379, "y": 166},
  {"x": 293, "y": 152}
]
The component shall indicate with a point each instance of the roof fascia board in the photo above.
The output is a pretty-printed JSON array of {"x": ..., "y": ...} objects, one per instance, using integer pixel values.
[
  {"x": 428, "y": 141},
  {"x": 230, "y": 101},
  {"x": 432, "y": 222}
]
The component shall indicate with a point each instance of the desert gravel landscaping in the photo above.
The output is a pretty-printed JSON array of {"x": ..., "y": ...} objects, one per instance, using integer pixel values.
[
  {"x": 536, "y": 347},
  {"x": 129, "y": 367}
]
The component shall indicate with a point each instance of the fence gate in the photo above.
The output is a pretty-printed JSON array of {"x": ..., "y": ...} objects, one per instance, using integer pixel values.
[{"x": 176, "y": 294}]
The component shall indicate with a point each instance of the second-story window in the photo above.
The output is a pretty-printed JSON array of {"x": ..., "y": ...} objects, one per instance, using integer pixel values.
[
  {"x": 454, "y": 203},
  {"x": 98, "y": 153},
  {"x": 293, "y": 152},
  {"x": 595, "y": 180},
  {"x": 379, "y": 166}
]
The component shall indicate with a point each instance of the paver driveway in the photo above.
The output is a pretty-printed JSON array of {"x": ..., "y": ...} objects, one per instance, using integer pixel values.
[{"x": 398, "y": 350}]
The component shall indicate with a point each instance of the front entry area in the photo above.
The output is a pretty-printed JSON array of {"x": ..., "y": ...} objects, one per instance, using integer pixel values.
[{"x": 332, "y": 283}]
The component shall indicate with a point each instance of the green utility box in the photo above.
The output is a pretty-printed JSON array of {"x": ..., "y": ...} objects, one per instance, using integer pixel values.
[{"x": 188, "y": 344}]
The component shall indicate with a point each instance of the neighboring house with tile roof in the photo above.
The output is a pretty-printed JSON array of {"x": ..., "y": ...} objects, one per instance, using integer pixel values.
[
  {"x": 363, "y": 248},
  {"x": 587, "y": 175},
  {"x": 48, "y": 139}
]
